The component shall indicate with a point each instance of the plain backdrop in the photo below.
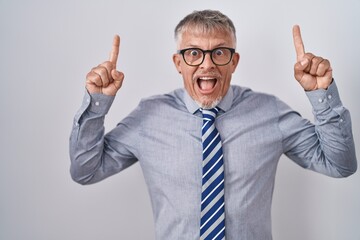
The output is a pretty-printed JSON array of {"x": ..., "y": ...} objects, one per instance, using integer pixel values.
[{"x": 46, "y": 50}]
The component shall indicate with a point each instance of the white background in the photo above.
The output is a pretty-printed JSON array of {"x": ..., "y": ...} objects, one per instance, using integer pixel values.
[{"x": 46, "y": 49}]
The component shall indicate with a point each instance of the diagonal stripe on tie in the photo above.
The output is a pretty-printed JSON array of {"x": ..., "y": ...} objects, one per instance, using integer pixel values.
[
  {"x": 208, "y": 135},
  {"x": 212, "y": 222},
  {"x": 209, "y": 216},
  {"x": 212, "y": 144},
  {"x": 213, "y": 186},
  {"x": 210, "y": 167},
  {"x": 212, "y": 174},
  {"x": 216, "y": 151},
  {"x": 216, "y": 232},
  {"x": 217, "y": 166}
]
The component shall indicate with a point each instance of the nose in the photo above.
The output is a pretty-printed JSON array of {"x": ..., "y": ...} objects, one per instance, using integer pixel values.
[{"x": 207, "y": 63}]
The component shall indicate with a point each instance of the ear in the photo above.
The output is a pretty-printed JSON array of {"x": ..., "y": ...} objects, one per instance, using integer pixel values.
[
  {"x": 177, "y": 62},
  {"x": 234, "y": 61}
]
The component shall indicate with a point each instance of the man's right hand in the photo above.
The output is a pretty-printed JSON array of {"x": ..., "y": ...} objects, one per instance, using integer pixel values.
[{"x": 105, "y": 78}]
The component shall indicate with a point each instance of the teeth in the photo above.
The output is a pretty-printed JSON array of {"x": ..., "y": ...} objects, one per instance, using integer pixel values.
[
  {"x": 206, "y": 83},
  {"x": 206, "y": 78}
]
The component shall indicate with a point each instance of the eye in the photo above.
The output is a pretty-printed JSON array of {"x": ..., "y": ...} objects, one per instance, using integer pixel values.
[
  {"x": 194, "y": 52},
  {"x": 219, "y": 52}
]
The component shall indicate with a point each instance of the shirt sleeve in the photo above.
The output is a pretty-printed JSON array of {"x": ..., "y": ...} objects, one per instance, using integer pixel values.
[
  {"x": 325, "y": 146},
  {"x": 91, "y": 155}
]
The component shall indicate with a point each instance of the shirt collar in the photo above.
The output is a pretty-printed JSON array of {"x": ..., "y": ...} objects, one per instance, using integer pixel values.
[{"x": 224, "y": 104}]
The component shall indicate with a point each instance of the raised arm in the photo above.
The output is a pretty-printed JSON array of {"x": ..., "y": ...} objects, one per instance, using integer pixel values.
[
  {"x": 91, "y": 153},
  {"x": 327, "y": 146}
]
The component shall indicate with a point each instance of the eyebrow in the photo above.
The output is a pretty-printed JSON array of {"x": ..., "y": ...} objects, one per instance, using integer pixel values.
[{"x": 223, "y": 44}]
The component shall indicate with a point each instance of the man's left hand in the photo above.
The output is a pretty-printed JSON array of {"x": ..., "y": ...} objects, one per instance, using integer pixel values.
[{"x": 312, "y": 72}]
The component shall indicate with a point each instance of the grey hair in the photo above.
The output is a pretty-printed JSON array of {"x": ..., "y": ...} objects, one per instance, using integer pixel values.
[{"x": 205, "y": 21}]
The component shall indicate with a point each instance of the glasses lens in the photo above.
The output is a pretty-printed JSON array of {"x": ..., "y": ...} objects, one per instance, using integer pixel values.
[
  {"x": 221, "y": 56},
  {"x": 193, "y": 56}
]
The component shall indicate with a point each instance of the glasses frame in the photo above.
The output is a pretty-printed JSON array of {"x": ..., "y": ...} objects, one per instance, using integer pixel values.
[{"x": 182, "y": 51}]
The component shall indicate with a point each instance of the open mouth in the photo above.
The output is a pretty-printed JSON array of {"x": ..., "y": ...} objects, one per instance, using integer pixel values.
[{"x": 206, "y": 84}]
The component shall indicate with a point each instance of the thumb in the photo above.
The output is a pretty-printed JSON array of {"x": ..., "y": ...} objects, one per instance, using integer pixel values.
[
  {"x": 299, "y": 68},
  {"x": 118, "y": 78},
  {"x": 302, "y": 64}
]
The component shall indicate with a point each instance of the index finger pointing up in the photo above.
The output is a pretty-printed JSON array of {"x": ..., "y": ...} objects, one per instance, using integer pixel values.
[
  {"x": 115, "y": 50},
  {"x": 299, "y": 46}
]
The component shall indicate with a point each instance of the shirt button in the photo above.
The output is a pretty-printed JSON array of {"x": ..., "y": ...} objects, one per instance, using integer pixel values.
[
  {"x": 341, "y": 120},
  {"x": 97, "y": 103},
  {"x": 329, "y": 97},
  {"x": 320, "y": 100}
]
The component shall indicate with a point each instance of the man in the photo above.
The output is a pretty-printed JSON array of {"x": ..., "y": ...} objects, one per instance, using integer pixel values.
[{"x": 209, "y": 152}]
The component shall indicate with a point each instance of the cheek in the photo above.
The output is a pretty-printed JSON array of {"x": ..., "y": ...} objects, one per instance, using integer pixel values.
[
  {"x": 188, "y": 76},
  {"x": 225, "y": 83},
  {"x": 226, "y": 76},
  {"x": 188, "y": 82}
]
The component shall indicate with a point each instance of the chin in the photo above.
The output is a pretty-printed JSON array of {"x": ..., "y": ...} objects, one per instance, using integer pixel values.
[{"x": 208, "y": 104}]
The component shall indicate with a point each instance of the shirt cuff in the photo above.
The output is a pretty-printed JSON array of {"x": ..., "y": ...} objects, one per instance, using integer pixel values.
[
  {"x": 322, "y": 99},
  {"x": 99, "y": 103},
  {"x": 94, "y": 105}
]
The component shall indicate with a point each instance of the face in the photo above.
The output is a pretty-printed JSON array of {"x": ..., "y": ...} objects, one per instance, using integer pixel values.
[{"x": 206, "y": 83}]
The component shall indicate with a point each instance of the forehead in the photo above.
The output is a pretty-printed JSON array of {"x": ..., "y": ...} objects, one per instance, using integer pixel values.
[{"x": 194, "y": 38}]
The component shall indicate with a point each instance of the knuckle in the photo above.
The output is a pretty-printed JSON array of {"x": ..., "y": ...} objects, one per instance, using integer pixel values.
[
  {"x": 318, "y": 60},
  {"x": 93, "y": 78},
  {"x": 310, "y": 56},
  {"x": 107, "y": 65},
  {"x": 103, "y": 73},
  {"x": 89, "y": 75},
  {"x": 97, "y": 78},
  {"x": 326, "y": 62},
  {"x": 106, "y": 68},
  {"x": 101, "y": 70}
]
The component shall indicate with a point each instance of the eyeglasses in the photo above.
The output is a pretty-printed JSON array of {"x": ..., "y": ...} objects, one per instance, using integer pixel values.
[{"x": 195, "y": 56}]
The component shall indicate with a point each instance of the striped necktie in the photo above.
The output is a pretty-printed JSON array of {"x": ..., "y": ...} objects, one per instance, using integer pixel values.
[{"x": 212, "y": 223}]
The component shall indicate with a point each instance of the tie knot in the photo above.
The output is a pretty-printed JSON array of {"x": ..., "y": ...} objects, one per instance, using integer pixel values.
[{"x": 209, "y": 114}]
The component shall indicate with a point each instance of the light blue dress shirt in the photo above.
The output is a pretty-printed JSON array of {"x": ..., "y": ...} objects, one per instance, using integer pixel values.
[{"x": 163, "y": 134}]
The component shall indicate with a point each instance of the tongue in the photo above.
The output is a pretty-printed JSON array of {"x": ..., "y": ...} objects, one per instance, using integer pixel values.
[{"x": 207, "y": 84}]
